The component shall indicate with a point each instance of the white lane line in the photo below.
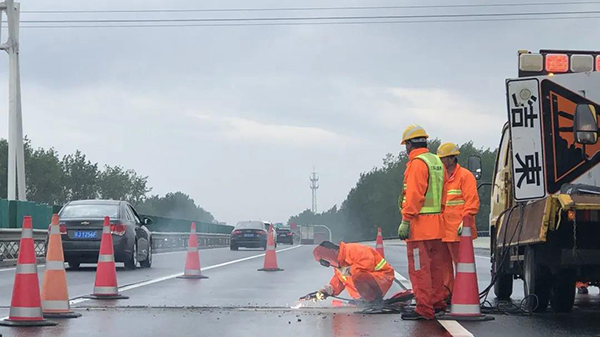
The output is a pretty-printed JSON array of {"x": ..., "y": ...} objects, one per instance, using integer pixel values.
[
  {"x": 163, "y": 253},
  {"x": 164, "y": 278},
  {"x": 455, "y": 329},
  {"x": 483, "y": 257},
  {"x": 406, "y": 283},
  {"x": 185, "y": 251}
]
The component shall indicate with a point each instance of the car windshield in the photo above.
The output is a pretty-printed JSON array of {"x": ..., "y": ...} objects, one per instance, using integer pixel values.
[
  {"x": 249, "y": 225},
  {"x": 283, "y": 230},
  {"x": 90, "y": 211}
]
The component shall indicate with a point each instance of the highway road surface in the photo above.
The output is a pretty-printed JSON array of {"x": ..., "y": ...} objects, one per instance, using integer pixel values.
[{"x": 238, "y": 300}]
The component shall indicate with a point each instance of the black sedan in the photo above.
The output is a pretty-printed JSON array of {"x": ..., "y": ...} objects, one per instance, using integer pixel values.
[
  {"x": 81, "y": 228},
  {"x": 250, "y": 234},
  {"x": 285, "y": 235}
]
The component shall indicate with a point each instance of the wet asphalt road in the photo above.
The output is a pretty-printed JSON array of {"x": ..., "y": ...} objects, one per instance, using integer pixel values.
[{"x": 238, "y": 300}]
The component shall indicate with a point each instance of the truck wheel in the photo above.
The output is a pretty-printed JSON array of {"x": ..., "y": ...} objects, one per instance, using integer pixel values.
[
  {"x": 503, "y": 287},
  {"x": 233, "y": 247},
  {"x": 536, "y": 282},
  {"x": 563, "y": 292}
]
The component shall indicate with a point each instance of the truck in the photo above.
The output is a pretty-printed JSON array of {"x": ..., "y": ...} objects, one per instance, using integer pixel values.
[
  {"x": 307, "y": 235},
  {"x": 545, "y": 189}
]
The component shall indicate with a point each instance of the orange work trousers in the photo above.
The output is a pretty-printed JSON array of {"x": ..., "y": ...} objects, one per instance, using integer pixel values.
[
  {"x": 450, "y": 261},
  {"x": 425, "y": 263}
]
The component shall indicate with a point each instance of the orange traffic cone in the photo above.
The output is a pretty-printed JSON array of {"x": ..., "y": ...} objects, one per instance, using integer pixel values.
[
  {"x": 192, "y": 260},
  {"x": 105, "y": 286},
  {"x": 465, "y": 293},
  {"x": 270, "y": 256},
  {"x": 55, "y": 296},
  {"x": 26, "y": 306},
  {"x": 379, "y": 243}
]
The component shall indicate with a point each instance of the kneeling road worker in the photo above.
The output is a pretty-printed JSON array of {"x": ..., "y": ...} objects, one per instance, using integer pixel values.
[{"x": 359, "y": 269}]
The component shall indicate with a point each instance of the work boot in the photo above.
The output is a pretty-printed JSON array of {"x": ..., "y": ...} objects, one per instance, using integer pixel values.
[
  {"x": 413, "y": 316},
  {"x": 582, "y": 290}
]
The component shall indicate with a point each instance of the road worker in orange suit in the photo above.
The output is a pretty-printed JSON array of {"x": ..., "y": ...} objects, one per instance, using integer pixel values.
[
  {"x": 421, "y": 204},
  {"x": 461, "y": 200},
  {"x": 359, "y": 269}
]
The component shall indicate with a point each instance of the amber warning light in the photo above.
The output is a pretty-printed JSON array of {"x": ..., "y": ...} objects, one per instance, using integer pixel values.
[
  {"x": 557, "y": 63},
  {"x": 551, "y": 62}
]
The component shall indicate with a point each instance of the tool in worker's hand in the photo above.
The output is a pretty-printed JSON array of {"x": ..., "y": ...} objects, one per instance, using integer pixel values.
[{"x": 310, "y": 296}]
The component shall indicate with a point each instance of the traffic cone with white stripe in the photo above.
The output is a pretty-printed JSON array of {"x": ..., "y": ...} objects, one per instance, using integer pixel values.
[
  {"x": 192, "y": 260},
  {"x": 105, "y": 286},
  {"x": 270, "y": 255},
  {"x": 465, "y": 293},
  {"x": 55, "y": 295},
  {"x": 26, "y": 306},
  {"x": 379, "y": 243}
]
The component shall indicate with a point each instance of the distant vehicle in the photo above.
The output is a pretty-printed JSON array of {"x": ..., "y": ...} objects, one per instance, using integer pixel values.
[
  {"x": 307, "y": 235},
  {"x": 285, "y": 235},
  {"x": 81, "y": 228},
  {"x": 251, "y": 234}
]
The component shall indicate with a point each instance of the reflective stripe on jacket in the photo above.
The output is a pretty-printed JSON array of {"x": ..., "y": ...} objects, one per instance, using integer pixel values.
[
  {"x": 360, "y": 259},
  {"x": 417, "y": 177},
  {"x": 461, "y": 200}
]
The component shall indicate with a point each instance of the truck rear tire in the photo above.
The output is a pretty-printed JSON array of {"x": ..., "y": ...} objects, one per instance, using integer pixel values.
[
  {"x": 503, "y": 287},
  {"x": 563, "y": 292},
  {"x": 537, "y": 282}
]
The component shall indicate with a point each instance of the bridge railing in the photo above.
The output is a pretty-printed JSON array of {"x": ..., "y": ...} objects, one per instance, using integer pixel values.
[
  {"x": 9, "y": 243},
  {"x": 169, "y": 241},
  {"x": 161, "y": 242}
]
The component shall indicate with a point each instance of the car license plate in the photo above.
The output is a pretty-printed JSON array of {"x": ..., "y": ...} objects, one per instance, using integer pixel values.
[
  {"x": 248, "y": 235},
  {"x": 85, "y": 234}
]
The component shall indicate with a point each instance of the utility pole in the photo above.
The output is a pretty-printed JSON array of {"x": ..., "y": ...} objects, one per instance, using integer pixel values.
[
  {"x": 16, "y": 153},
  {"x": 314, "y": 185}
]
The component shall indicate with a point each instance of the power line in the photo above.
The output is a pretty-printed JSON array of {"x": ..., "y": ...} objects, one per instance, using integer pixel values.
[
  {"x": 569, "y": 3},
  {"x": 319, "y": 18},
  {"x": 307, "y": 23}
]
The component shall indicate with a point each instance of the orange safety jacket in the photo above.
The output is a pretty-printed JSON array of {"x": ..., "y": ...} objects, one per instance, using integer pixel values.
[
  {"x": 355, "y": 258},
  {"x": 416, "y": 180},
  {"x": 462, "y": 200}
]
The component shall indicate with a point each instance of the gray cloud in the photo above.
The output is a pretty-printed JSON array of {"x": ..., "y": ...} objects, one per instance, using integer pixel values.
[{"x": 238, "y": 116}]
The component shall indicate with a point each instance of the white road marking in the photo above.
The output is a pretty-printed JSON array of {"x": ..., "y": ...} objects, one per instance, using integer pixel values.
[
  {"x": 455, "y": 329},
  {"x": 168, "y": 277},
  {"x": 185, "y": 251},
  {"x": 163, "y": 253},
  {"x": 78, "y": 299},
  {"x": 406, "y": 283}
]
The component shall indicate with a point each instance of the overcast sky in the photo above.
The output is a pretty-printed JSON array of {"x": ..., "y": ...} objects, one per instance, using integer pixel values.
[{"x": 238, "y": 116}]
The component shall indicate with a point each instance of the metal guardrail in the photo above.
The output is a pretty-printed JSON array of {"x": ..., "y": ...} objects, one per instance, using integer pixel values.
[
  {"x": 9, "y": 243},
  {"x": 161, "y": 242},
  {"x": 167, "y": 241}
]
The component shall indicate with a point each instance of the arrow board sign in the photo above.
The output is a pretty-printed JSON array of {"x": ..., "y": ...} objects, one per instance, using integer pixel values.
[{"x": 566, "y": 160}]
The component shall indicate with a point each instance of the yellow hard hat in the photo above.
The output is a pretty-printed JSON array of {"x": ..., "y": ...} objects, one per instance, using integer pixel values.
[
  {"x": 412, "y": 132},
  {"x": 448, "y": 149}
]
